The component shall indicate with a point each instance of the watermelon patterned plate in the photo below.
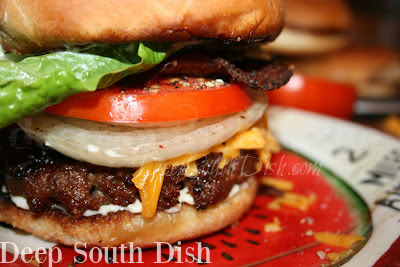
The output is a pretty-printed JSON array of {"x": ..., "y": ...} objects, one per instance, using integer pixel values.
[{"x": 352, "y": 171}]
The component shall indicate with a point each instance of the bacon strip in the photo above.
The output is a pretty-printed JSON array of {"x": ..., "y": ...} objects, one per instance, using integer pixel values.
[{"x": 257, "y": 74}]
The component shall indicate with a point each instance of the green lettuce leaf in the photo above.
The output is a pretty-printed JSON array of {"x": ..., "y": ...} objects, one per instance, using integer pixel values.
[{"x": 35, "y": 83}]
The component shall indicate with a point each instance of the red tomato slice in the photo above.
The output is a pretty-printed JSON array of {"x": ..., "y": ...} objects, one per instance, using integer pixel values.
[
  {"x": 322, "y": 96},
  {"x": 166, "y": 99}
]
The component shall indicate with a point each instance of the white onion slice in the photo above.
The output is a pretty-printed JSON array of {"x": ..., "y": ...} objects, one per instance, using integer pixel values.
[{"x": 120, "y": 146}]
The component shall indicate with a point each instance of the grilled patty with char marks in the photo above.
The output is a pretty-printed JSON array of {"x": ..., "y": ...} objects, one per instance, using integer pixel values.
[{"x": 48, "y": 180}]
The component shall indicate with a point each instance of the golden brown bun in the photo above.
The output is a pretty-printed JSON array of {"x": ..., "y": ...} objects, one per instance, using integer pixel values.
[
  {"x": 319, "y": 15},
  {"x": 312, "y": 27},
  {"x": 374, "y": 71},
  {"x": 124, "y": 227},
  {"x": 40, "y": 25}
]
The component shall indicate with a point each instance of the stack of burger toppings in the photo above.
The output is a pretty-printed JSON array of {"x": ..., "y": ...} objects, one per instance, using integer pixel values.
[{"x": 130, "y": 121}]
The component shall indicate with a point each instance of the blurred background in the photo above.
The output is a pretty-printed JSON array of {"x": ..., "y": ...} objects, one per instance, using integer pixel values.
[
  {"x": 346, "y": 55},
  {"x": 377, "y": 22}
]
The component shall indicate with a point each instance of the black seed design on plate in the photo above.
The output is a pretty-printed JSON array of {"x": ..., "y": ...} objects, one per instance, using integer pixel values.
[
  {"x": 196, "y": 260},
  {"x": 227, "y": 256},
  {"x": 252, "y": 231},
  {"x": 231, "y": 245},
  {"x": 260, "y": 216},
  {"x": 206, "y": 245},
  {"x": 226, "y": 233},
  {"x": 165, "y": 256},
  {"x": 256, "y": 207},
  {"x": 253, "y": 242}
]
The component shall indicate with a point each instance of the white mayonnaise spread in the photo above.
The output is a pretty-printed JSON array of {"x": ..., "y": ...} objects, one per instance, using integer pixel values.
[
  {"x": 104, "y": 209},
  {"x": 235, "y": 189},
  {"x": 20, "y": 202},
  {"x": 185, "y": 197},
  {"x": 136, "y": 207},
  {"x": 174, "y": 209}
]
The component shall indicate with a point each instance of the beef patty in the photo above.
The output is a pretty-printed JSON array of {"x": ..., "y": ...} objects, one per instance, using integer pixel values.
[{"x": 48, "y": 180}]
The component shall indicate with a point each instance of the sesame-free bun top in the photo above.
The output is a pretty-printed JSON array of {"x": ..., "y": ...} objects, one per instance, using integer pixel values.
[
  {"x": 318, "y": 15},
  {"x": 43, "y": 25},
  {"x": 313, "y": 27}
]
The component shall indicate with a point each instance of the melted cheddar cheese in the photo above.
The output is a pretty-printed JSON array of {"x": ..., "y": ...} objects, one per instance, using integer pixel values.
[
  {"x": 336, "y": 257},
  {"x": 279, "y": 184},
  {"x": 293, "y": 200},
  {"x": 149, "y": 178},
  {"x": 273, "y": 227},
  {"x": 338, "y": 240}
]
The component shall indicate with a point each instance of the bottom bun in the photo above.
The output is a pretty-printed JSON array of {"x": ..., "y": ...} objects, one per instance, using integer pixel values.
[{"x": 124, "y": 227}]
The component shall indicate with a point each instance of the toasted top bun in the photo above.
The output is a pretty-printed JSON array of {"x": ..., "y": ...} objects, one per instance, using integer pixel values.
[
  {"x": 42, "y": 25},
  {"x": 374, "y": 71},
  {"x": 318, "y": 15}
]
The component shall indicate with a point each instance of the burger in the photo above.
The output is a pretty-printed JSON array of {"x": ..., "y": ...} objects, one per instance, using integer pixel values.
[
  {"x": 313, "y": 27},
  {"x": 132, "y": 121},
  {"x": 374, "y": 71}
]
